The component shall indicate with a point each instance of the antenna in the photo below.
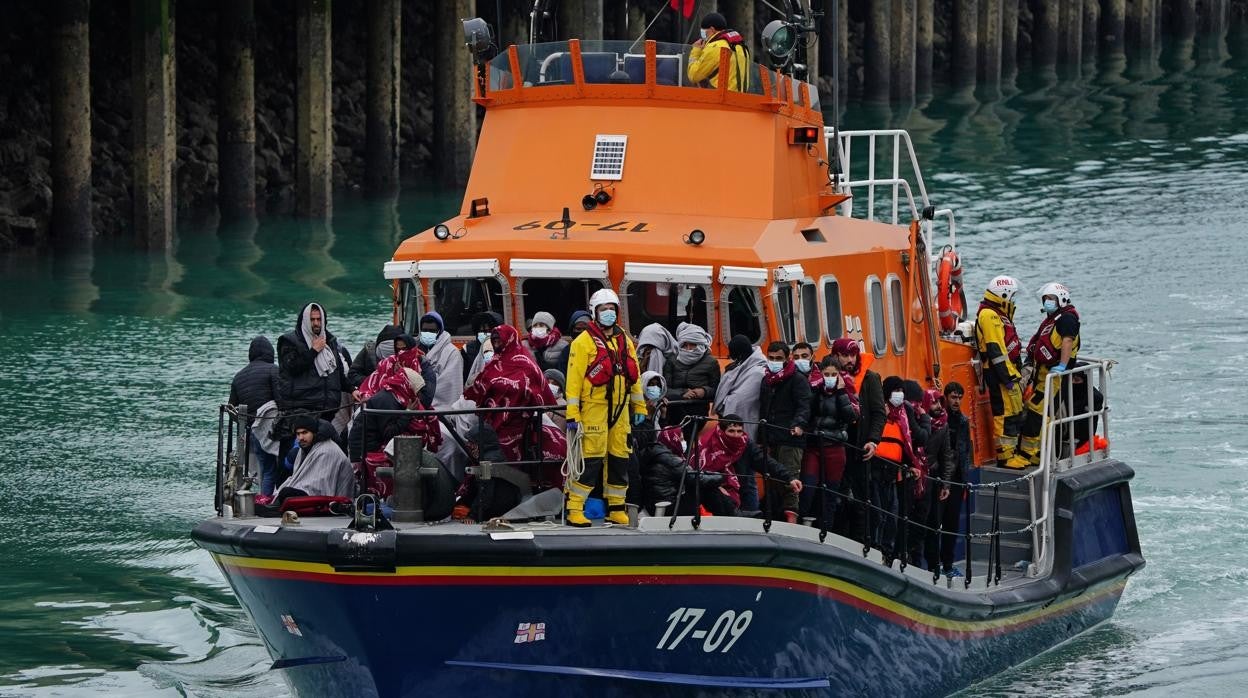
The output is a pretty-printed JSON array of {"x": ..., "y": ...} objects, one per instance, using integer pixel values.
[
  {"x": 836, "y": 96},
  {"x": 643, "y": 31},
  {"x": 537, "y": 21}
]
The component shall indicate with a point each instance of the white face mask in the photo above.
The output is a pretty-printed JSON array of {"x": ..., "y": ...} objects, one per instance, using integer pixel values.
[
  {"x": 703, "y": 34},
  {"x": 555, "y": 389},
  {"x": 539, "y": 332},
  {"x": 897, "y": 398}
]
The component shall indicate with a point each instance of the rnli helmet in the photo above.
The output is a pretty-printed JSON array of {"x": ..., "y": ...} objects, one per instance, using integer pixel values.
[
  {"x": 1058, "y": 291},
  {"x": 1002, "y": 288},
  {"x": 602, "y": 297}
]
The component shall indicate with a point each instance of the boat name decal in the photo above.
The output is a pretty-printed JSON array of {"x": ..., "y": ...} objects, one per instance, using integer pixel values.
[
  {"x": 618, "y": 227},
  {"x": 729, "y": 622}
]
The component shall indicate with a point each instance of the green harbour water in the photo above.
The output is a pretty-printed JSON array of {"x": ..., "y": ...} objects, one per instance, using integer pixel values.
[{"x": 1125, "y": 183}]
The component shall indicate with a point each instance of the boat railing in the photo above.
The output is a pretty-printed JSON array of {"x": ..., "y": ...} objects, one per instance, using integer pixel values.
[
  {"x": 888, "y": 174},
  {"x": 1074, "y": 435}
]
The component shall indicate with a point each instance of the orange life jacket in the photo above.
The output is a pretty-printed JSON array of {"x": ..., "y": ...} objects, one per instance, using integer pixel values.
[
  {"x": 609, "y": 361},
  {"x": 890, "y": 443}
]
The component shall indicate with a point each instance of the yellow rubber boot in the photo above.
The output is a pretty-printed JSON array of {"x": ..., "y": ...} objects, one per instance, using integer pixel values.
[
  {"x": 577, "y": 494},
  {"x": 617, "y": 516}
]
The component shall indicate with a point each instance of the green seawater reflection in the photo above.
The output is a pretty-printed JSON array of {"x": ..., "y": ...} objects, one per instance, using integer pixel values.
[{"x": 1123, "y": 178}]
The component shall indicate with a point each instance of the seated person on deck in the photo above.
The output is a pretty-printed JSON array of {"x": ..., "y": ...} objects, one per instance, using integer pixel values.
[{"x": 322, "y": 469}]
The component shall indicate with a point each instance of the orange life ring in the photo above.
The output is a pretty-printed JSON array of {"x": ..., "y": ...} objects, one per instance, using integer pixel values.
[{"x": 950, "y": 298}]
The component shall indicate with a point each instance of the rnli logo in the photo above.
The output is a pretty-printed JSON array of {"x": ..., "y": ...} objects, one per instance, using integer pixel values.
[{"x": 530, "y": 632}]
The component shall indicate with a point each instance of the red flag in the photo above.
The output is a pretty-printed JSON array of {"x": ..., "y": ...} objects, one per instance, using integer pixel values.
[{"x": 684, "y": 7}]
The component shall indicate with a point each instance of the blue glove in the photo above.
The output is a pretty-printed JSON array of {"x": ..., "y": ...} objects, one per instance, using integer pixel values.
[
  {"x": 573, "y": 426},
  {"x": 1059, "y": 368},
  {"x": 638, "y": 419}
]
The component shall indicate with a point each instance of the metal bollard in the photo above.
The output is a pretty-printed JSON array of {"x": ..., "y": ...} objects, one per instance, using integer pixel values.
[{"x": 408, "y": 498}]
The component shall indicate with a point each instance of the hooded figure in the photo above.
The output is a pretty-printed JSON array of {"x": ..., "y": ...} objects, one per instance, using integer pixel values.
[
  {"x": 373, "y": 352},
  {"x": 256, "y": 383},
  {"x": 321, "y": 469},
  {"x": 661, "y": 346},
  {"x": 583, "y": 318},
  {"x": 694, "y": 375},
  {"x": 482, "y": 323},
  {"x": 510, "y": 379},
  {"x": 739, "y": 389},
  {"x": 395, "y": 385},
  {"x": 545, "y": 341},
  {"x": 558, "y": 384},
  {"x": 310, "y": 379},
  {"x": 447, "y": 364}
]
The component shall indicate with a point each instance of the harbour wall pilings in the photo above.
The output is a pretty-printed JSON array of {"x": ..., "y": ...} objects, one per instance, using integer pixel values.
[{"x": 117, "y": 117}]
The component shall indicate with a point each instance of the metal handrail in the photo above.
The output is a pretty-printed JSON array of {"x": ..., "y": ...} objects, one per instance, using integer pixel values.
[
  {"x": 1051, "y": 462},
  {"x": 899, "y": 137}
]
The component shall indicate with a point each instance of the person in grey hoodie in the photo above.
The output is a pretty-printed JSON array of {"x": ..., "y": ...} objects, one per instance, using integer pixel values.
[
  {"x": 445, "y": 358},
  {"x": 739, "y": 388}
]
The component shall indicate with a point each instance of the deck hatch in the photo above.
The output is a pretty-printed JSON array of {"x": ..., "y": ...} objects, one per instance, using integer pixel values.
[{"x": 608, "y": 157}]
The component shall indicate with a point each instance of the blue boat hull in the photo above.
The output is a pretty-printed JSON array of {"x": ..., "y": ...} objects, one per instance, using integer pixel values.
[{"x": 658, "y": 614}]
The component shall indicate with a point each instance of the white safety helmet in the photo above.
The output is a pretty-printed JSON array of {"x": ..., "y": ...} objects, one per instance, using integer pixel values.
[
  {"x": 1057, "y": 290},
  {"x": 602, "y": 297},
  {"x": 1004, "y": 287}
]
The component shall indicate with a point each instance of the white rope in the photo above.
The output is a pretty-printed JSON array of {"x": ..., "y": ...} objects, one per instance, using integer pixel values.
[{"x": 574, "y": 461}]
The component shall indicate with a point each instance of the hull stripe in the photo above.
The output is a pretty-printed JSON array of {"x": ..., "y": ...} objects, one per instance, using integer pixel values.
[{"x": 754, "y": 577}]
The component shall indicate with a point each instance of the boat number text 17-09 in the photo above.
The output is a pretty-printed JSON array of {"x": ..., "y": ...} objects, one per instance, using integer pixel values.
[
  {"x": 617, "y": 227},
  {"x": 722, "y": 635}
]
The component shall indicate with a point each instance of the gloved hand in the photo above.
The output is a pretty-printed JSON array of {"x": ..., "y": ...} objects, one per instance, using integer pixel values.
[
  {"x": 1059, "y": 368},
  {"x": 638, "y": 419},
  {"x": 573, "y": 426}
]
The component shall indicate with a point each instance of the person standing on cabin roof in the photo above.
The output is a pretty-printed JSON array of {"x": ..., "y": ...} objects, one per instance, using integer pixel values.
[
  {"x": 446, "y": 360},
  {"x": 1053, "y": 348},
  {"x": 784, "y": 404},
  {"x": 1000, "y": 352},
  {"x": 603, "y": 383},
  {"x": 704, "y": 57}
]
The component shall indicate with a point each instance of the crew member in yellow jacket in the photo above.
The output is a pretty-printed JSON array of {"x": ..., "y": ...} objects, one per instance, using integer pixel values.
[
  {"x": 704, "y": 57},
  {"x": 605, "y": 399}
]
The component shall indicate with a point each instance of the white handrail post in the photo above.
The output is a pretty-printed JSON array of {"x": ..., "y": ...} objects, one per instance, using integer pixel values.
[
  {"x": 871, "y": 177},
  {"x": 897, "y": 175}
]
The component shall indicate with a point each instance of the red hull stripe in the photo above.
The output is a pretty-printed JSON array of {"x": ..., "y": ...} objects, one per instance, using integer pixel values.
[{"x": 684, "y": 580}]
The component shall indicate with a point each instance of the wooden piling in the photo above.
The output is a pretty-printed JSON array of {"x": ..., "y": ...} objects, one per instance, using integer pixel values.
[
  {"x": 236, "y": 121},
  {"x": 1141, "y": 26},
  {"x": 1183, "y": 18},
  {"x": 924, "y": 21},
  {"x": 454, "y": 114},
  {"x": 1044, "y": 34},
  {"x": 1215, "y": 18},
  {"x": 740, "y": 16},
  {"x": 989, "y": 65},
  {"x": 965, "y": 41},
  {"x": 152, "y": 83},
  {"x": 1113, "y": 25},
  {"x": 1070, "y": 28},
  {"x": 1009, "y": 37},
  {"x": 1091, "y": 26},
  {"x": 381, "y": 122},
  {"x": 903, "y": 38},
  {"x": 581, "y": 19},
  {"x": 71, "y": 124},
  {"x": 842, "y": 46},
  {"x": 314, "y": 156},
  {"x": 877, "y": 55}
]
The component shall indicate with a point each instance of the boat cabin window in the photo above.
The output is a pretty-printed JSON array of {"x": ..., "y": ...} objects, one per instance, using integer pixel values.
[
  {"x": 810, "y": 312},
  {"x": 559, "y": 297},
  {"x": 668, "y": 304},
  {"x": 832, "y": 309},
  {"x": 784, "y": 313},
  {"x": 875, "y": 309},
  {"x": 411, "y": 305},
  {"x": 897, "y": 311},
  {"x": 742, "y": 313},
  {"x": 458, "y": 300}
]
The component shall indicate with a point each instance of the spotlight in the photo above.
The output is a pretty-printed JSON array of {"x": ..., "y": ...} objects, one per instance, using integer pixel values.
[
  {"x": 780, "y": 39},
  {"x": 441, "y": 232},
  {"x": 599, "y": 197},
  {"x": 589, "y": 202},
  {"x": 477, "y": 36},
  {"x": 695, "y": 237}
]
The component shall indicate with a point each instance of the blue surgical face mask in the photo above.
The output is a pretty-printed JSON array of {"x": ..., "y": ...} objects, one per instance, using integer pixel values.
[
  {"x": 606, "y": 318},
  {"x": 829, "y": 382},
  {"x": 703, "y": 34},
  {"x": 486, "y": 356},
  {"x": 428, "y": 338},
  {"x": 653, "y": 392},
  {"x": 482, "y": 336},
  {"x": 775, "y": 366},
  {"x": 803, "y": 365},
  {"x": 1050, "y": 307}
]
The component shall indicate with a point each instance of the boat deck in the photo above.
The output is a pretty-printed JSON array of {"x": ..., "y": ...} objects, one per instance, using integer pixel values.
[{"x": 647, "y": 526}]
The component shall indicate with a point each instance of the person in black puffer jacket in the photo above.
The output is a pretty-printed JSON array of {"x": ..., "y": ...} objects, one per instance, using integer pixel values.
[
  {"x": 784, "y": 403},
  {"x": 833, "y": 413},
  {"x": 256, "y": 383},
  {"x": 373, "y": 352},
  {"x": 693, "y": 375}
]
